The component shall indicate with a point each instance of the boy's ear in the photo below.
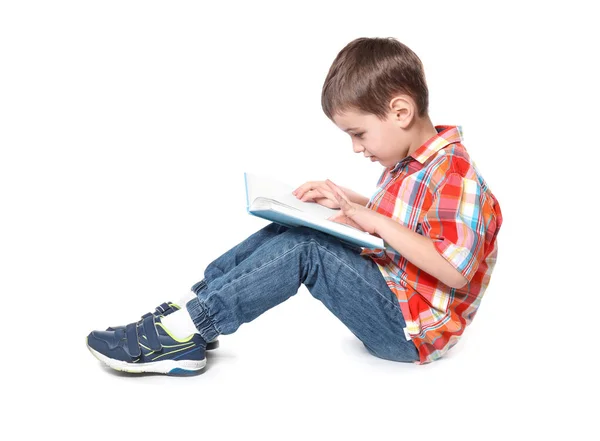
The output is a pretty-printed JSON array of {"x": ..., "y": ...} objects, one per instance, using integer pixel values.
[{"x": 402, "y": 110}]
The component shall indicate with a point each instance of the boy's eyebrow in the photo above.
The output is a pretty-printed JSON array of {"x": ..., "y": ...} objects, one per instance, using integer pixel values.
[{"x": 352, "y": 128}]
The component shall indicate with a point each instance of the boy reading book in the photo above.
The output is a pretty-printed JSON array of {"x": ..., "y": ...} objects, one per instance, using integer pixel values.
[{"x": 409, "y": 302}]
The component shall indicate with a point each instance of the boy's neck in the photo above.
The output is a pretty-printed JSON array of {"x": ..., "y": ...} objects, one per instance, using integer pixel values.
[{"x": 423, "y": 130}]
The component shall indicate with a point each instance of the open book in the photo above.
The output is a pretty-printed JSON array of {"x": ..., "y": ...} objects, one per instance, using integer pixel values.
[{"x": 274, "y": 201}]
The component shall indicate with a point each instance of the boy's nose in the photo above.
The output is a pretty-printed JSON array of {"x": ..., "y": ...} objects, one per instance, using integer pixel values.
[{"x": 357, "y": 148}]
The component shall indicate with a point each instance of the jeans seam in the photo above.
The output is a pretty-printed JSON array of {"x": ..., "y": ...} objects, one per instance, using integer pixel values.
[
  {"x": 357, "y": 274},
  {"x": 253, "y": 271}
]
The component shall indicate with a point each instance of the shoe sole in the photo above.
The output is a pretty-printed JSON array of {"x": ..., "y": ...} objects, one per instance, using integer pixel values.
[{"x": 169, "y": 367}]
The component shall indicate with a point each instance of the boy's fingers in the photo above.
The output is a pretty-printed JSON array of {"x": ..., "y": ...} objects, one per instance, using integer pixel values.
[
  {"x": 336, "y": 190},
  {"x": 317, "y": 193},
  {"x": 300, "y": 192},
  {"x": 327, "y": 193},
  {"x": 334, "y": 187},
  {"x": 304, "y": 188},
  {"x": 311, "y": 194},
  {"x": 334, "y": 216},
  {"x": 317, "y": 189},
  {"x": 327, "y": 203}
]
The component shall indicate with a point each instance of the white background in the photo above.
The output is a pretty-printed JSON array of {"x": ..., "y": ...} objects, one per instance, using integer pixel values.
[{"x": 125, "y": 129}]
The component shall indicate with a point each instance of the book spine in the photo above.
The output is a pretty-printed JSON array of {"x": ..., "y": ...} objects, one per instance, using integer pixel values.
[{"x": 247, "y": 198}]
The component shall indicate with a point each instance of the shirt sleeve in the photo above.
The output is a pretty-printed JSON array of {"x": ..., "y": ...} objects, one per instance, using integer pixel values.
[{"x": 456, "y": 223}]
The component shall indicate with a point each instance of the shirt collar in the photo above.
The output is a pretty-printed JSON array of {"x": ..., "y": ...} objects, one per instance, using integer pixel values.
[{"x": 446, "y": 135}]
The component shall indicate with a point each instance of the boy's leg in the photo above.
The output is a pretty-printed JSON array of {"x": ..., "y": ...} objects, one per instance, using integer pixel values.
[
  {"x": 349, "y": 285},
  {"x": 230, "y": 259},
  {"x": 223, "y": 264}
]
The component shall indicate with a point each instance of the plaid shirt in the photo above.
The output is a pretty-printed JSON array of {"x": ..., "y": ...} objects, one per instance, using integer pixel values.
[{"x": 438, "y": 192}]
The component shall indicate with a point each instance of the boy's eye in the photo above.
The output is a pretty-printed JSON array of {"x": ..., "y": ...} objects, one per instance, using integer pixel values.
[{"x": 359, "y": 135}]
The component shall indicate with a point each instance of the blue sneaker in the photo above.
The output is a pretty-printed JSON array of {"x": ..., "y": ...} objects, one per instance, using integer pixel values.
[
  {"x": 147, "y": 346},
  {"x": 167, "y": 308}
]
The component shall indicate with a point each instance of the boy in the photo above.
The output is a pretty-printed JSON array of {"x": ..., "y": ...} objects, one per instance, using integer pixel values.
[{"x": 410, "y": 302}]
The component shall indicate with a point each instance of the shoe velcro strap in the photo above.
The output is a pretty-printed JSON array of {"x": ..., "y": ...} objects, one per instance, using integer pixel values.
[
  {"x": 132, "y": 340},
  {"x": 160, "y": 309},
  {"x": 149, "y": 329},
  {"x": 148, "y": 314}
]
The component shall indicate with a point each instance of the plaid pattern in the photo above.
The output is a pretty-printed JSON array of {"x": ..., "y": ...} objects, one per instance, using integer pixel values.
[{"x": 439, "y": 193}]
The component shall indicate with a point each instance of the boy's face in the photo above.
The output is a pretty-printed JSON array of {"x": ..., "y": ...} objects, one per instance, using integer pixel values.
[{"x": 382, "y": 141}]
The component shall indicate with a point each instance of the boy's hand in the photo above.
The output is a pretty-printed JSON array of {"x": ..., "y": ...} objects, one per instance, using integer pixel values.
[
  {"x": 352, "y": 214},
  {"x": 317, "y": 191}
]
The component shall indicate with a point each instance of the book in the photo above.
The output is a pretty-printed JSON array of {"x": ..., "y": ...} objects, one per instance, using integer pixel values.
[{"x": 272, "y": 200}]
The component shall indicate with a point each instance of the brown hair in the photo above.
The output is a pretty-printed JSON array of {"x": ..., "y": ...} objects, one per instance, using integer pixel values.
[{"x": 368, "y": 72}]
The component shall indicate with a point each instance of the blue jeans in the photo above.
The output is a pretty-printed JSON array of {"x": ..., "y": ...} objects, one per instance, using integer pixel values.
[{"x": 269, "y": 266}]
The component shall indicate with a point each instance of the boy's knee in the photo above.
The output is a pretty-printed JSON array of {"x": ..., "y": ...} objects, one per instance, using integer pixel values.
[
  {"x": 304, "y": 233},
  {"x": 274, "y": 227},
  {"x": 300, "y": 234}
]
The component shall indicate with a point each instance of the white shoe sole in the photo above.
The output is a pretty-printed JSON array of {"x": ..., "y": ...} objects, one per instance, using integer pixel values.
[{"x": 175, "y": 367}]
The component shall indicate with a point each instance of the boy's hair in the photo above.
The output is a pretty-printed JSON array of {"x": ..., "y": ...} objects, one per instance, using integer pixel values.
[{"x": 368, "y": 72}]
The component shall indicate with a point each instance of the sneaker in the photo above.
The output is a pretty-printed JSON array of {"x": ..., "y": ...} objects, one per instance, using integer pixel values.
[
  {"x": 147, "y": 346},
  {"x": 166, "y": 309}
]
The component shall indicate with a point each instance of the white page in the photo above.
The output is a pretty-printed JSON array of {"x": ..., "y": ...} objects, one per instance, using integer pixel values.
[{"x": 260, "y": 186}]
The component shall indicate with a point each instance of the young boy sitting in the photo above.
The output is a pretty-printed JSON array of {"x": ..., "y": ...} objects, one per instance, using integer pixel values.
[{"x": 410, "y": 302}]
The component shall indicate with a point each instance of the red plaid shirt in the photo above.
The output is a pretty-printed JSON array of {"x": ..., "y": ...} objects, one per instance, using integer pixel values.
[{"x": 439, "y": 193}]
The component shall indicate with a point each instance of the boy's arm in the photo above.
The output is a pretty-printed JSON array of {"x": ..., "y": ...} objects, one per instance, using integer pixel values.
[
  {"x": 355, "y": 197},
  {"x": 419, "y": 250},
  {"x": 455, "y": 229}
]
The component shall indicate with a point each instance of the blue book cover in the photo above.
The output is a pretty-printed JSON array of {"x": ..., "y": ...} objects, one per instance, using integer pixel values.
[{"x": 272, "y": 200}]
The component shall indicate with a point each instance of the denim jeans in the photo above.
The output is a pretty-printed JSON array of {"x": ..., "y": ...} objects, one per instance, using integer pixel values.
[{"x": 269, "y": 266}]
